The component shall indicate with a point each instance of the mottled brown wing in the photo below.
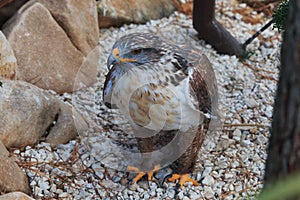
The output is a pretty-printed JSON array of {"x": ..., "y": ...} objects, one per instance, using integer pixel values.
[
  {"x": 203, "y": 87},
  {"x": 203, "y": 94}
]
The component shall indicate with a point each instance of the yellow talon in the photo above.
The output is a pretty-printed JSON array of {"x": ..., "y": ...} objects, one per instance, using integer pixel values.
[
  {"x": 183, "y": 178},
  {"x": 141, "y": 174}
]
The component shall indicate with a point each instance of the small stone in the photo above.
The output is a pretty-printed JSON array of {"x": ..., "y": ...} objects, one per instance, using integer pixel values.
[
  {"x": 235, "y": 164},
  {"x": 152, "y": 193},
  {"x": 159, "y": 190},
  {"x": 63, "y": 195},
  {"x": 269, "y": 111},
  {"x": 208, "y": 192},
  {"x": 253, "y": 130},
  {"x": 237, "y": 134},
  {"x": 140, "y": 190},
  {"x": 116, "y": 179},
  {"x": 239, "y": 187},
  {"x": 208, "y": 180},
  {"x": 59, "y": 191},
  {"x": 185, "y": 198},
  {"x": 146, "y": 196},
  {"x": 224, "y": 143},
  {"x": 243, "y": 5},
  {"x": 180, "y": 195},
  {"x": 251, "y": 103},
  {"x": 261, "y": 139},
  {"x": 53, "y": 188},
  {"x": 171, "y": 193},
  {"x": 228, "y": 176},
  {"x": 194, "y": 195},
  {"x": 215, "y": 174},
  {"x": 245, "y": 143},
  {"x": 206, "y": 171},
  {"x": 16, "y": 151}
]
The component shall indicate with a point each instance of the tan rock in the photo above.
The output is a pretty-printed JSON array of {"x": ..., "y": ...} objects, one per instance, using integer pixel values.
[
  {"x": 8, "y": 61},
  {"x": 28, "y": 114},
  {"x": 88, "y": 69},
  {"x": 119, "y": 12},
  {"x": 78, "y": 19},
  {"x": 15, "y": 196},
  {"x": 69, "y": 121},
  {"x": 46, "y": 56},
  {"x": 12, "y": 178}
]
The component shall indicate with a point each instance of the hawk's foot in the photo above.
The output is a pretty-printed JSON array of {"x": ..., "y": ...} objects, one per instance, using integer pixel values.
[
  {"x": 183, "y": 178},
  {"x": 142, "y": 174}
]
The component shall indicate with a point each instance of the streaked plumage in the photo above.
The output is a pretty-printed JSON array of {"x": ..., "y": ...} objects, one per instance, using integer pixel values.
[{"x": 168, "y": 93}]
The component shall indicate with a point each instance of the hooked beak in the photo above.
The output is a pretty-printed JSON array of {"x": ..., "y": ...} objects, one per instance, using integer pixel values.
[
  {"x": 115, "y": 57},
  {"x": 111, "y": 61}
]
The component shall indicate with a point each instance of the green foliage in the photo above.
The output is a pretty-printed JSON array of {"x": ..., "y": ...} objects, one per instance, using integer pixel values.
[
  {"x": 280, "y": 15},
  {"x": 283, "y": 189}
]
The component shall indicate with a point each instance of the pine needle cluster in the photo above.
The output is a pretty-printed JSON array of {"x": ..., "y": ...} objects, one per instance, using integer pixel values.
[{"x": 280, "y": 15}]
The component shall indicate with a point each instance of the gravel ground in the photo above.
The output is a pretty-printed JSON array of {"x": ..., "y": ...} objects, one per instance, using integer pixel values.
[{"x": 232, "y": 159}]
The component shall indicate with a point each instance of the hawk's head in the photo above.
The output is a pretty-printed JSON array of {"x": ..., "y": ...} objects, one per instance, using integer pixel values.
[{"x": 134, "y": 50}]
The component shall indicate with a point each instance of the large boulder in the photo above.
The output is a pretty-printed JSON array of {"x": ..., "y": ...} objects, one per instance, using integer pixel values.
[
  {"x": 12, "y": 178},
  {"x": 52, "y": 41},
  {"x": 119, "y": 12},
  {"x": 29, "y": 114},
  {"x": 79, "y": 21},
  {"x": 8, "y": 61}
]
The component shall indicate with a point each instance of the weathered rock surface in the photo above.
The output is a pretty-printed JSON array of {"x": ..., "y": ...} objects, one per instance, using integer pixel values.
[
  {"x": 29, "y": 114},
  {"x": 69, "y": 121},
  {"x": 15, "y": 196},
  {"x": 8, "y": 61},
  {"x": 51, "y": 46},
  {"x": 119, "y": 12},
  {"x": 79, "y": 21},
  {"x": 12, "y": 178}
]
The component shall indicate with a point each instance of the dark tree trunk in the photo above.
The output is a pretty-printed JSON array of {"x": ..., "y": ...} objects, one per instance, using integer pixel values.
[
  {"x": 210, "y": 30},
  {"x": 284, "y": 148}
]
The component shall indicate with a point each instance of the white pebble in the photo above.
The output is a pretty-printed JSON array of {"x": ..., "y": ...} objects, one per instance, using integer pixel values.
[
  {"x": 171, "y": 193},
  {"x": 261, "y": 139},
  {"x": 206, "y": 171},
  {"x": 180, "y": 195},
  {"x": 239, "y": 187},
  {"x": 185, "y": 198},
  {"x": 245, "y": 143},
  {"x": 251, "y": 103},
  {"x": 194, "y": 195},
  {"x": 208, "y": 180},
  {"x": 63, "y": 195},
  {"x": 237, "y": 133},
  {"x": 208, "y": 192}
]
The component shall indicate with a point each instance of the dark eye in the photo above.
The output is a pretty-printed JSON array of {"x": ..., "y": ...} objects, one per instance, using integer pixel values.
[{"x": 137, "y": 51}]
